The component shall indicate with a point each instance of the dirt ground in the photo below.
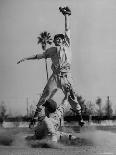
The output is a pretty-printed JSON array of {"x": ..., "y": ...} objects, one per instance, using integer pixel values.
[{"x": 90, "y": 140}]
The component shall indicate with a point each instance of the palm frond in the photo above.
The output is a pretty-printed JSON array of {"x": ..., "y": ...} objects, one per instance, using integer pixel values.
[
  {"x": 49, "y": 42},
  {"x": 44, "y": 39},
  {"x": 39, "y": 40}
]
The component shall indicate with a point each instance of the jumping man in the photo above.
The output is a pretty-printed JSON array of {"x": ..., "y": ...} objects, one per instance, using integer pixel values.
[{"x": 61, "y": 56}]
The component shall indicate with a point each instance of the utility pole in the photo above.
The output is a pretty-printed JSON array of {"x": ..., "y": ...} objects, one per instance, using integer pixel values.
[
  {"x": 27, "y": 107},
  {"x": 108, "y": 106}
]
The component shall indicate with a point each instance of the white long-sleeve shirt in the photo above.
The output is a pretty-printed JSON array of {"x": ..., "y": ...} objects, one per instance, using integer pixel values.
[{"x": 61, "y": 56}]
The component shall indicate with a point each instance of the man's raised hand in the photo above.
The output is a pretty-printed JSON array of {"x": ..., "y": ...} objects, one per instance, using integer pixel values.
[{"x": 65, "y": 10}]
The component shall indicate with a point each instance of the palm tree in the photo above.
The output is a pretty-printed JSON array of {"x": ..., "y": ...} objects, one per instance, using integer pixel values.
[{"x": 44, "y": 39}]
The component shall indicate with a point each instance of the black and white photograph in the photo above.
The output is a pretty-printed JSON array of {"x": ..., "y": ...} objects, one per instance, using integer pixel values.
[{"x": 57, "y": 77}]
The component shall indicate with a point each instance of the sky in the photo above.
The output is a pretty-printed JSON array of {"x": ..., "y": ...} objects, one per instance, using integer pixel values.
[{"x": 93, "y": 36}]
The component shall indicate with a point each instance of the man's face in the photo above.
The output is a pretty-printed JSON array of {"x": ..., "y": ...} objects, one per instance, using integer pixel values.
[{"x": 58, "y": 41}]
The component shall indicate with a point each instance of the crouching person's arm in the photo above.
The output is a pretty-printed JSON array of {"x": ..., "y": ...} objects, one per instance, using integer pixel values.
[{"x": 45, "y": 129}]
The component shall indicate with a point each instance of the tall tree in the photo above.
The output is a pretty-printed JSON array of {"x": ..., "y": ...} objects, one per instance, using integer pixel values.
[
  {"x": 44, "y": 39},
  {"x": 2, "y": 109},
  {"x": 99, "y": 103},
  {"x": 90, "y": 108},
  {"x": 108, "y": 108},
  {"x": 2, "y": 112}
]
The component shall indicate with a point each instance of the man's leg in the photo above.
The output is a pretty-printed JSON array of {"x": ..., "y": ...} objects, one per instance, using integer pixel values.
[
  {"x": 45, "y": 129},
  {"x": 51, "y": 129},
  {"x": 75, "y": 107},
  {"x": 49, "y": 89},
  {"x": 66, "y": 85}
]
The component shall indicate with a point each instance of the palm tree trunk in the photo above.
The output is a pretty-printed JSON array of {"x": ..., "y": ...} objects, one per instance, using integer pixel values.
[{"x": 46, "y": 68}]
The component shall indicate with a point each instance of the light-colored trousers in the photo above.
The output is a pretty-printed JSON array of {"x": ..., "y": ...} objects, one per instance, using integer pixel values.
[{"x": 55, "y": 82}]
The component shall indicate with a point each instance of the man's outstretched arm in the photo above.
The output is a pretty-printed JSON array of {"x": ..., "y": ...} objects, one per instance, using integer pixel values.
[
  {"x": 67, "y": 30},
  {"x": 37, "y": 56},
  {"x": 66, "y": 12},
  {"x": 67, "y": 23}
]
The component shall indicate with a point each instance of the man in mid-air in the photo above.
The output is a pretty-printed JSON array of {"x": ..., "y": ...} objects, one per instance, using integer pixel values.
[{"x": 61, "y": 56}]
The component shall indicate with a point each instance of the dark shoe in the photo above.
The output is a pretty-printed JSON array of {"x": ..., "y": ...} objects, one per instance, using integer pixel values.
[{"x": 81, "y": 123}]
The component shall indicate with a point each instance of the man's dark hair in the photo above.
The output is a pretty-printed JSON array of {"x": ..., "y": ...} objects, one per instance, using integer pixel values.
[
  {"x": 59, "y": 36},
  {"x": 51, "y": 105}
]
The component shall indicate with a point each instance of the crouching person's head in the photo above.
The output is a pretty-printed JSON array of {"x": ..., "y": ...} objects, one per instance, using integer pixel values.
[{"x": 50, "y": 107}]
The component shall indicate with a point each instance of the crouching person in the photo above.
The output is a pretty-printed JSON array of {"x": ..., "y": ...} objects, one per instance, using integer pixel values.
[{"x": 49, "y": 126}]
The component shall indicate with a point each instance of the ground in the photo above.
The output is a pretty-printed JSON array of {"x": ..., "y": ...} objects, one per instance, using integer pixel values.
[{"x": 91, "y": 140}]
